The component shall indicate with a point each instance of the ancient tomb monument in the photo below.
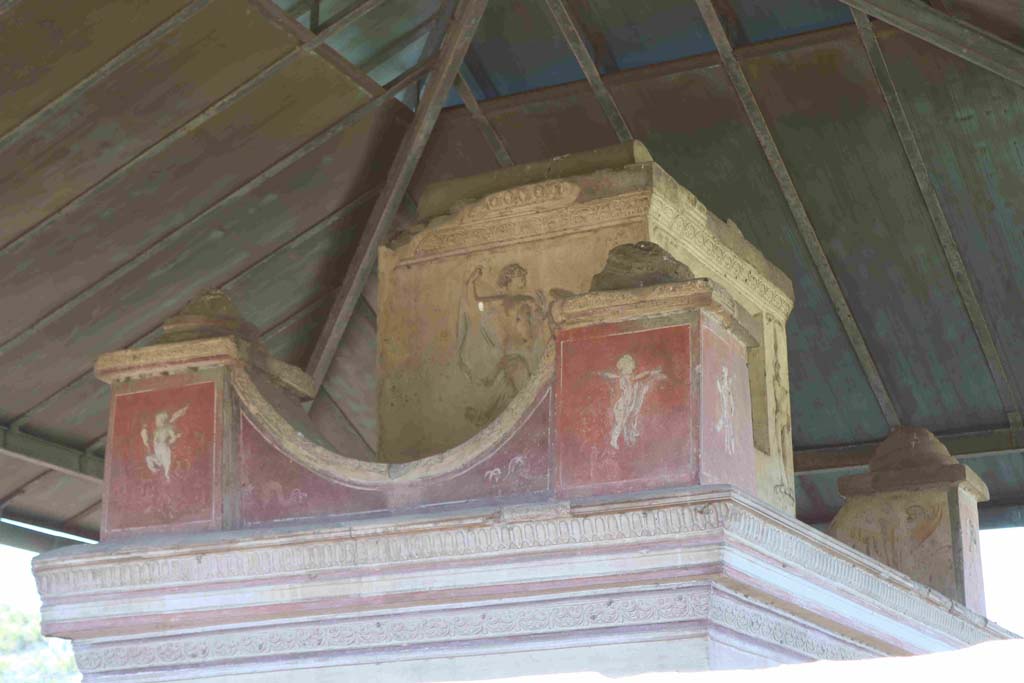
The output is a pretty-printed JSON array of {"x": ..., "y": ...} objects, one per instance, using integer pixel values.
[{"x": 584, "y": 465}]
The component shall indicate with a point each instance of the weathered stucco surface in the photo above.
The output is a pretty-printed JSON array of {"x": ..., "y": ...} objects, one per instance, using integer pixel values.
[{"x": 465, "y": 298}]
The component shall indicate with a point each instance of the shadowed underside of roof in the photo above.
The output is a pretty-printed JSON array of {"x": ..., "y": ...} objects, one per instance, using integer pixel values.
[{"x": 150, "y": 150}]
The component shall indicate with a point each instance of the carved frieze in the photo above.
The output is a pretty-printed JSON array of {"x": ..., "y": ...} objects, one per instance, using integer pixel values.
[
  {"x": 507, "y": 621},
  {"x": 810, "y": 554}
]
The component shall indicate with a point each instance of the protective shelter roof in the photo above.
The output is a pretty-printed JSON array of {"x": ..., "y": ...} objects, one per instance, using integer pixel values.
[{"x": 150, "y": 150}]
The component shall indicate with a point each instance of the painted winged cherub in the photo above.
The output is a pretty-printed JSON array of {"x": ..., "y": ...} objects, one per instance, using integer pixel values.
[
  {"x": 158, "y": 456},
  {"x": 631, "y": 390}
]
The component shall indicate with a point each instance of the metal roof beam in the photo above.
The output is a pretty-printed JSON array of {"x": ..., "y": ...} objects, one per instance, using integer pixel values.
[
  {"x": 31, "y": 540},
  {"x": 55, "y": 456},
  {"x": 950, "y": 34},
  {"x": 1004, "y": 385},
  {"x": 571, "y": 33},
  {"x": 960, "y": 445},
  {"x": 796, "y": 206},
  {"x": 456, "y": 42},
  {"x": 583, "y": 14},
  {"x": 490, "y": 135}
]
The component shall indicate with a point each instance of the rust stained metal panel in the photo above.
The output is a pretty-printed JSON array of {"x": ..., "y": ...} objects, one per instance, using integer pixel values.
[
  {"x": 227, "y": 240},
  {"x": 78, "y": 142},
  {"x": 546, "y": 130},
  {"x": 48, "y": 47},
  {"x": 286, "y": 282},
  {"x": 456, "y": 148},
  {"x": 688, "y": 116},
  {"x": 829, "y": 119},
  {"x": 970, "y": 125},
  {"x": 351, "y": 379},
  {"x": 163, "y": 193}
]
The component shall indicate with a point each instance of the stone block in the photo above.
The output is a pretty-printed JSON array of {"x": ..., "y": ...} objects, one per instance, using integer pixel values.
[{"x": 916, "y": 509}]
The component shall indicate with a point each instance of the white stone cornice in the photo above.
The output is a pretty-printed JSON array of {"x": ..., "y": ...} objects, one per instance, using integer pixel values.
[
  {"x": 346, "y": 639},
  {"x": 208, "y": 562}
]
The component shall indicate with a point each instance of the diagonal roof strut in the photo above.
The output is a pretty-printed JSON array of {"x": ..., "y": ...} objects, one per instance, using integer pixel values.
[{"x": 446, "y": 66}]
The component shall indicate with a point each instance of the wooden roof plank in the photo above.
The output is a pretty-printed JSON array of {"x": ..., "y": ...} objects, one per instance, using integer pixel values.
[
  {"x": 94, "y": 39},
  {"x": 267, "y": 293},
  {"x": 342, "y": 162},
  {"x": 97, "y": 138},
  {"x": 171, "y": 191}
]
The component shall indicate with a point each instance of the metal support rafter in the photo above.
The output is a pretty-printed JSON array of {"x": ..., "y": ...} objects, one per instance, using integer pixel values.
[
  {"x": 52, "y": 455},
  {"x": 314, "y": 15},
  {"x": 950, "y": 34},
  {"x": 1004, "y": 385},
  {"x": 800, "y": 217},
  {"x": 456, "y": 42},
  {"x": 961, "y": 445},
  {"x": 348, "y": 17},
  {"x": 493, "y": 139},
  {"x": 574, "y": 38},
  {"x": 583, "y": 14}
]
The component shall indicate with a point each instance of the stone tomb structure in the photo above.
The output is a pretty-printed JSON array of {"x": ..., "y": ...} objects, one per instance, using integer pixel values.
[
  {"x": 600, "y": 506},
  {"x": 916, "y": 509},
  {"x": 465, "y": 299}
]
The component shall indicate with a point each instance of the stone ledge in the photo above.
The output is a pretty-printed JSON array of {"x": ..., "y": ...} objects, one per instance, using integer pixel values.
[
  {"x": 715, "y": 525},
  {"x": 696, "y": 609}
]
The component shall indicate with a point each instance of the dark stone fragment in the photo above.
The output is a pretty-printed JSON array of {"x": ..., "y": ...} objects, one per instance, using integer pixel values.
[{"x": 639, "y": 265}]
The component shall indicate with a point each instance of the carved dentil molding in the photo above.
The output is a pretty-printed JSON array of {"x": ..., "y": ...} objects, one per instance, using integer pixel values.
[
  {"x": 280, "y": 558},
  {"x": 506, "y": 621}
]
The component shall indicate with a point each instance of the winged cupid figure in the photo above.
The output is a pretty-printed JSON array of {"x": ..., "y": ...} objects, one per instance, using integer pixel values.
[
  {"x": 631, "y": 389},
  {"x": 158, "y": 456}
]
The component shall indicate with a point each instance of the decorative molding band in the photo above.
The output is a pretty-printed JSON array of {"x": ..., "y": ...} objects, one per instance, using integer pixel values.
[
  {"x": 505, "y": 230},
  {"x": 238, "y": 556},
  {"x": 666, "y": 301},
  {"x": 680, "y": 229},
  {"x": 700, "y": 605}
]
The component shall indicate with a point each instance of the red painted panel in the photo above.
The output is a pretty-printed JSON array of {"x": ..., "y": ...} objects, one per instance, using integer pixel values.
[
  {"x": 274, "y": 488},
  {"x": 624, "y": 419},
  {"x": 162, "y": 470},
  {"x": 727, "y": 453}
]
